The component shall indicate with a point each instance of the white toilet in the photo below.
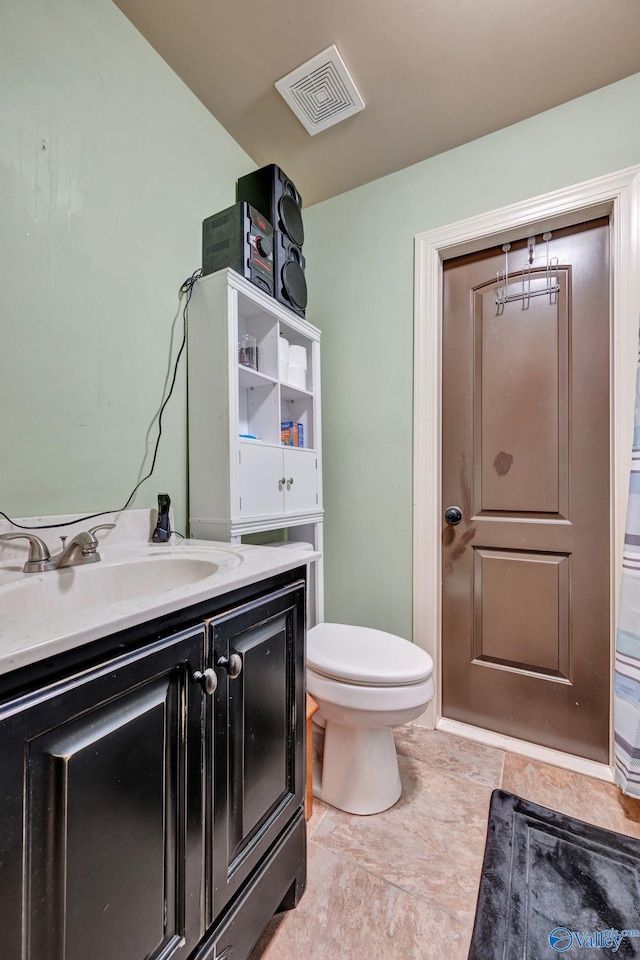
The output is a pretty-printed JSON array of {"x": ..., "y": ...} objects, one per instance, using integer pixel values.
[{"x": 365, "y": 682}]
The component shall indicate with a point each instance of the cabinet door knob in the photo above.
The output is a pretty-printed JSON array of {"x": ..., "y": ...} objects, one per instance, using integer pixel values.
[
  {"x": 207, "y": 680},
  {"x": 232, "y": 664},
  {"x": 289, "y": 482},
  {"x": 281, "y": 482}
]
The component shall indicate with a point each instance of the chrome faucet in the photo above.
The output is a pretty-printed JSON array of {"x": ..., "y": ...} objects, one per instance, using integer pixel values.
[{"x": 83, "y": 548}]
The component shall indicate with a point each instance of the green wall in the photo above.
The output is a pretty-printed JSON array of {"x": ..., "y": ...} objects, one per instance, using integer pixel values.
[
  {"x": 108, "y": 164},
  {"x": 360, "y": 269}
]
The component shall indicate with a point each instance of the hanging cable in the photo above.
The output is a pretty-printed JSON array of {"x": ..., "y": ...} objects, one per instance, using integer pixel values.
[{"x": 186, "y": 290}]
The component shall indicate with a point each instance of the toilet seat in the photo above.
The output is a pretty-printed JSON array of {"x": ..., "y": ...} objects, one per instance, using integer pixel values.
[
  {"x": 362, "y": 656},
  {"x": 337, "y": 696}
]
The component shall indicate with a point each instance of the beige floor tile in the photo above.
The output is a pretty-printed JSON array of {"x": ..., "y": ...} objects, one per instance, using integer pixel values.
[
  {"x": 430, "y": 843},
  {"x": 594, "y": 801},
  {"x": 451, "y": 754},
  {"x": 403, "y": 884},
  {"x": 319, "y": 810},
  {"x": 347, "y": 912}
]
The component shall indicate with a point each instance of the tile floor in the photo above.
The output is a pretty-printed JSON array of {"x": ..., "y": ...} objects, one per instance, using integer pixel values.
[{"x": 402, "y": 885}]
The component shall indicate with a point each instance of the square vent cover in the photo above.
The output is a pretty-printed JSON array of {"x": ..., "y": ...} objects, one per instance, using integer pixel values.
[{"x": 321, "y": 91}]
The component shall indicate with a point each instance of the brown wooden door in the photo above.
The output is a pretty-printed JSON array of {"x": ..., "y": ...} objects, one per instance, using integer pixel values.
[{"x": 526, "y": 458}]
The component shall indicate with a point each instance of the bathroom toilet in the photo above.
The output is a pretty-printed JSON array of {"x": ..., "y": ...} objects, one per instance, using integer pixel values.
[{"x": 365, "y": 682}]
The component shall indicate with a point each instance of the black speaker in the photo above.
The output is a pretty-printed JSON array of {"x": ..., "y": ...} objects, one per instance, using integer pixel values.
[
  {"x": 271, "y": 192},
  {"x": 241, "y": 238}
]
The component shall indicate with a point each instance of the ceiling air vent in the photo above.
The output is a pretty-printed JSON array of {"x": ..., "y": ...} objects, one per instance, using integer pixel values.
[{"x": 321, "y": 91}]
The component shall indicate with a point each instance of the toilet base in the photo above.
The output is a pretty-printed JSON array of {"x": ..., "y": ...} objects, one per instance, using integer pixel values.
[{"x": 358, "y": 771}]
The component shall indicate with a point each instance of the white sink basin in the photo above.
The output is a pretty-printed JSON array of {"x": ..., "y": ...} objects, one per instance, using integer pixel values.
[{"x": 79, "y": 587}]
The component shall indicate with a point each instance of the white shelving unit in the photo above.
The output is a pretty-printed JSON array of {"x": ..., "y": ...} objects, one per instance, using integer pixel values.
[{"x": 240, "y": 486}]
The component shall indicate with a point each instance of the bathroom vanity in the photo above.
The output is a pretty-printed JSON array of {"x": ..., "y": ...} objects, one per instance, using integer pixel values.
[{"x": 152, "y": 777}]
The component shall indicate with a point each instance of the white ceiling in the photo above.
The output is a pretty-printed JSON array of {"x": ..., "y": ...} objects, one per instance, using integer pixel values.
[{"x": 433, "y": 75}]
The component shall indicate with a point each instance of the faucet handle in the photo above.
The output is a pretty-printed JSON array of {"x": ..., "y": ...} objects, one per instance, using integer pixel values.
[
  {"x": 38, "y": 550},
  {"x": 101, "y": 526}
]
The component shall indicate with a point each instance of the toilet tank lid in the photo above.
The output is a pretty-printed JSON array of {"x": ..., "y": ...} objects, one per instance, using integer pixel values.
[{"x": 366, "y": 656}]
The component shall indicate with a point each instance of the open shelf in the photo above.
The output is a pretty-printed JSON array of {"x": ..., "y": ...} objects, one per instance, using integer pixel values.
[
  {"x": 258, "y": 410},
  {"x": 299, "y": 409},
  {"x": 248, "y": 377},
  {"x": 287, "y": 392},
  {"x": 252, "y": 319}
]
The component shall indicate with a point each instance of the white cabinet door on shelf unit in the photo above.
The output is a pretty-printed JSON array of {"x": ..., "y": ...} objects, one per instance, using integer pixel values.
[
  {"x": 301, "y": 480},
  {"x": 260, "y": 480},
  {"x": 273, "y": 481}
]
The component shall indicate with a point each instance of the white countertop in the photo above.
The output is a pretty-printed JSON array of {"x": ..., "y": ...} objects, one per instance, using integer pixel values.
[{"x": 28, "y": 637}]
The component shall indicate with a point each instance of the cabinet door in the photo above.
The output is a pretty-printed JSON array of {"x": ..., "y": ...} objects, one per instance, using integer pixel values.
[
  {"x": 260, "y": 476},
  {"x": 257, "y": 735},
  {"x": 301, "y": 481},
  {"x": 100, "y": 856}
]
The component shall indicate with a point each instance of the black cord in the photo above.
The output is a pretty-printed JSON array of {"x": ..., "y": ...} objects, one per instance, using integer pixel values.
[{"x": 185, "y": 290}]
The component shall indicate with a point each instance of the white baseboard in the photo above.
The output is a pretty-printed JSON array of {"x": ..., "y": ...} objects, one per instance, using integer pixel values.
[{"x": 532, "y": 751}]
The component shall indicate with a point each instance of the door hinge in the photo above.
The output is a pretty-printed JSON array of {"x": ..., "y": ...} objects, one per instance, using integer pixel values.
[
  {"x": 239, "y": 456},
  {"x": 241, "y": 503},
  {"x": 316, "y": 497}
]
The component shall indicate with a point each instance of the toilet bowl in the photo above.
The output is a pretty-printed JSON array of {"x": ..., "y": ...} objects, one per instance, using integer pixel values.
[{"x": 365, "y": 682}]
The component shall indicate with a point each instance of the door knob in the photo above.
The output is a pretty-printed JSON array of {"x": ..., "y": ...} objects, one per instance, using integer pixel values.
[
  {"x": 289, "y": 482},
  {"x": 232, "y": 664},
  {"x": 207, "y": 680},
  {"x": 453, "y": 515}
]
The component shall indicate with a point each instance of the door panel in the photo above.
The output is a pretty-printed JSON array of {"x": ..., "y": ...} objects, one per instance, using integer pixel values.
[
  {"x": 526, "y": 457},
  {"x": 256, "y": 735},
  {"x": 259, "y": 715},
  {"x": 92, "y": 774},
  {"x": 95, "y": 788},
  {"x": 521, "y": 606},
  {"x": 260, "y": 481},
  {"x": 520, "y": 400},
  {"x": 300, "y": 466}
]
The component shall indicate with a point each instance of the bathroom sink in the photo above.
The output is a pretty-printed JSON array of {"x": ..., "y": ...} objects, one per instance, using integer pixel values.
[{"x": 79, "y": 587}]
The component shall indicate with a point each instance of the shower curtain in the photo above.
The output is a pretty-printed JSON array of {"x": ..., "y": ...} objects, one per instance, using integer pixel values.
[{"x": 626, "y": 701}]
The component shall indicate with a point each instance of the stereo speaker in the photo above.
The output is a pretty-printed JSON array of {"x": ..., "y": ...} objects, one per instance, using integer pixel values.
[
  {"x": 271, "y": 192},
  {"x": 241, "y": 238}
]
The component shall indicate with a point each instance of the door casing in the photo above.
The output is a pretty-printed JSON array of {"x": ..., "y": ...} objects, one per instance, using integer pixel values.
[{"x": 616, "y": 195}]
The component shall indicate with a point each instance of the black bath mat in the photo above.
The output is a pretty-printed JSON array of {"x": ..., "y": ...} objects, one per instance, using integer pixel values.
[{"x": 553, "y": 886}]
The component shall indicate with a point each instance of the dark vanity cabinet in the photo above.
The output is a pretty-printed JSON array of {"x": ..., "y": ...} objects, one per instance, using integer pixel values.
[
  {"x": 145, "y": 815},
  {"x": 101, "y": 798}
]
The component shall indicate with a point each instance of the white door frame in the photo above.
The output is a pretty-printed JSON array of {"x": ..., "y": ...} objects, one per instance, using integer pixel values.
[{"x": 617, "y": 194}]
